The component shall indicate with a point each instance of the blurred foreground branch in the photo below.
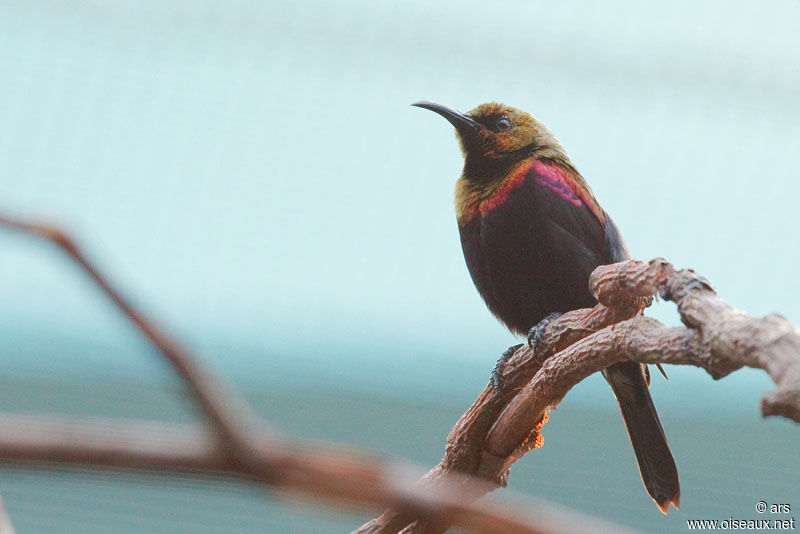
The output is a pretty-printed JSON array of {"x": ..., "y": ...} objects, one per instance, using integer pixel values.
[
  {"x": 498, "y": 430},
  {"x": 237, "y": 443}
]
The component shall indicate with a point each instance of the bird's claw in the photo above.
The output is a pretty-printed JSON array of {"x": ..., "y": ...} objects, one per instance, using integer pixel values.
[
  {"x": 536, "y": 333},
  {"x": 497, "y": 372}
]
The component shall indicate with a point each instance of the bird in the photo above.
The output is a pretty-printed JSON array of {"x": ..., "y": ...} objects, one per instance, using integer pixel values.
[{"x": 532, "y": 232}]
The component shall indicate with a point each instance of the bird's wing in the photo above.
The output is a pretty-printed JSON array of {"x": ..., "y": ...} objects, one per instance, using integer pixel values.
[
  {"x": 616, "y": 248},
  {"x": 577, "y": 233}
]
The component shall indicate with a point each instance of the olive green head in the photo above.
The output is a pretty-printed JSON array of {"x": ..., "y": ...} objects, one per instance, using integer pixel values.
[{"x": 494, "y": 131}]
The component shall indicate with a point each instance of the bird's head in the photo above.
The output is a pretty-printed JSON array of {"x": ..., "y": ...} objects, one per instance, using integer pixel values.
[{"x": 496, "y": 132}]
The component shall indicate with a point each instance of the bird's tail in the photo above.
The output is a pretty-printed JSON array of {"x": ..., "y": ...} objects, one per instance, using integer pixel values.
[{"x": 656, "y": 465}]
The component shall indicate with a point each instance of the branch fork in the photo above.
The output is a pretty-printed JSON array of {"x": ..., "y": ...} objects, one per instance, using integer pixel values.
[{"x": 496, "y": 430}]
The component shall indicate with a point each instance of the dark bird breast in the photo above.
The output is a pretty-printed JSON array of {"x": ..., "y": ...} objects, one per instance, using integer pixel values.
[{"x": 532, "y": 254}]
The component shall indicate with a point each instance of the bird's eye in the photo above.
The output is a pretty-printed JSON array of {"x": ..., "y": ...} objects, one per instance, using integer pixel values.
[{"x": 502, "y": 124}]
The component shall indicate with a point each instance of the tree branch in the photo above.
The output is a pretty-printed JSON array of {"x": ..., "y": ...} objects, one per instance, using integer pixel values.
[
  {"x": 226, "y": 412},
  {"x": 494, "y": 433},
  {"x": 335, "y": 476},
  {"x": 238, "y": 445},
  {"x": 497, "y": 431}
]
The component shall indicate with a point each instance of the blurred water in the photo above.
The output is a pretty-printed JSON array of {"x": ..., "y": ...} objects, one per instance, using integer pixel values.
[{"x": 251, "y": 173}]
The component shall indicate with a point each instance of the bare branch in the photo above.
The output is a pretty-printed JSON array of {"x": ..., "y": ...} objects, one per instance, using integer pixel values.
[
  {"x": 224, "y": 409},
  {"x": 496, "y": 432},
  {"x": 334, "y": 476},
  {"x": 238, "y": 445}
]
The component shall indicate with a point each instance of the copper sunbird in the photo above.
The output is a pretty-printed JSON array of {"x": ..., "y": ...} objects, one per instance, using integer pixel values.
[{"x": 532, "y": 232}]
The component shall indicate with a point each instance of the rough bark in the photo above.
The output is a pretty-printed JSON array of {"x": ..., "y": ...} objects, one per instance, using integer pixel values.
[{"x": 496, "y": 431}]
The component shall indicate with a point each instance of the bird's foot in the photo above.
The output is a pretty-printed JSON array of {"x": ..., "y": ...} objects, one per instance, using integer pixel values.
[
  {"x": 536, "y": 333},
  {"x": 497, "y": 372}
]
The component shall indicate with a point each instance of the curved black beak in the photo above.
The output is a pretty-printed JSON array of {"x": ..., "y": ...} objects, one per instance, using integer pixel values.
[{"x": 463, "y": 122}]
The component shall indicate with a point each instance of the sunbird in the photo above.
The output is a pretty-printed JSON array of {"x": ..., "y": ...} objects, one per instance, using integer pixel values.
[{"x": 532, "y": 232}]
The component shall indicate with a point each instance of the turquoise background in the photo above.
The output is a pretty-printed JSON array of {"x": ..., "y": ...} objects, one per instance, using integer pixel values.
[{"x": 251, "y": 174}]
